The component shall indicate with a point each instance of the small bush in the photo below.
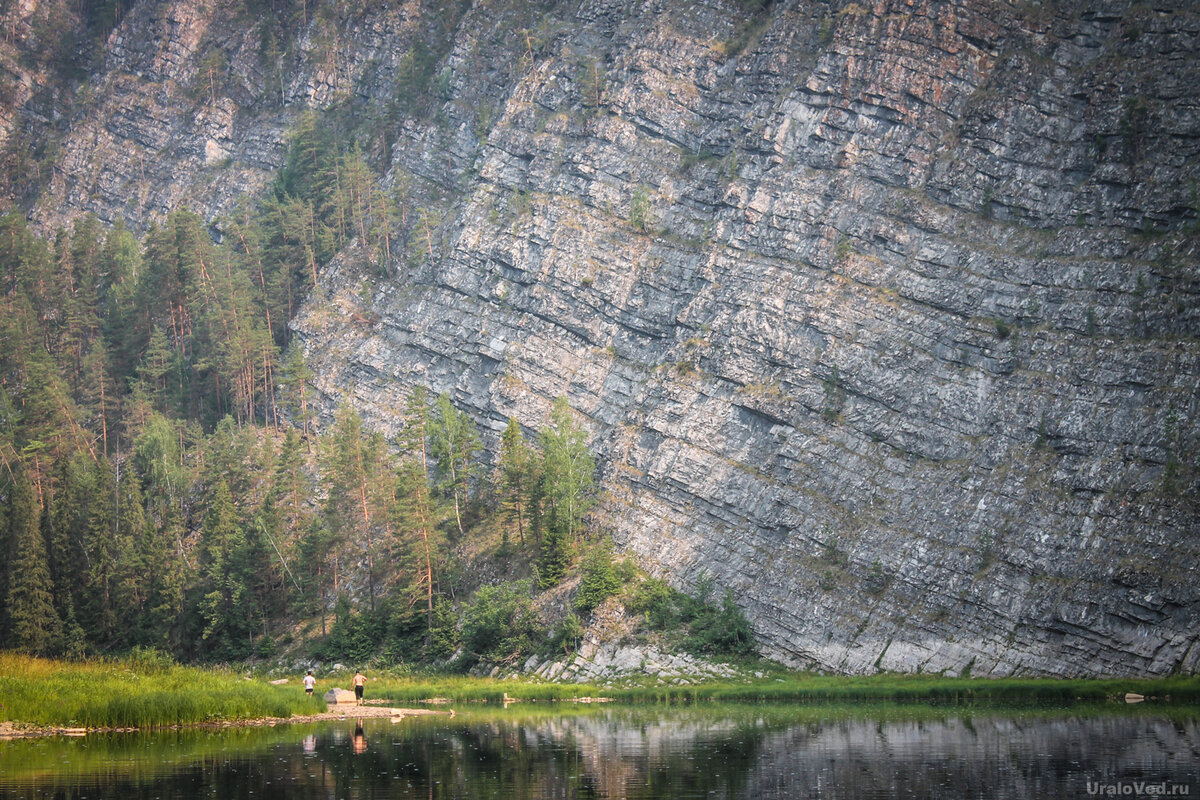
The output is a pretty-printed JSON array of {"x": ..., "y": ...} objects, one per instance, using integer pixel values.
[
  {"x": 639, "y": 209},
  {"x": 598, "y": 579},
  {"x": 722, "y": 630},
  {"x": 569, "y": 632},
  {"x": 501, "y": 625},
  {"x": 149, "y": 661},
  {"x": 654, "y": 598}
]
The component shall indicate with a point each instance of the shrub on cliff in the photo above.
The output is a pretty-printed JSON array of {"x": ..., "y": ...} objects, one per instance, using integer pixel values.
[
  {"x": 722, "y": 630},
  {"x": 700, "y": 626},
  {"x": 501, "y": 625},
  {"x": 598, "y": 579}
]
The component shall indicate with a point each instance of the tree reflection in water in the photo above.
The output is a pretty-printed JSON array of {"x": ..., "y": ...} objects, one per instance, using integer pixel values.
[{"x": 761, "y": 752}]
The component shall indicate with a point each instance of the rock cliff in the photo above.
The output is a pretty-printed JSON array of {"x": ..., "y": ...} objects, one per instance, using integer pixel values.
[{"x": 883, "y": 317}]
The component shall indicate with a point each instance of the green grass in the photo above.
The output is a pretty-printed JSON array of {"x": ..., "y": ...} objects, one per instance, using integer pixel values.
[
  {"x": 151, "y": 692},
  {"x": 137, "y": 693},
  {"x": 792, "y": 688}
]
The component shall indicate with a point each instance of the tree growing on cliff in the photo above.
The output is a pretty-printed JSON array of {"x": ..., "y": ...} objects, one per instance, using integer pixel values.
[
  {"x": 568, "y": 470},
  {"x": 515, "y": 476},
  {"x": 454, "y": 444},
  {"x": 567, "y": 488}
]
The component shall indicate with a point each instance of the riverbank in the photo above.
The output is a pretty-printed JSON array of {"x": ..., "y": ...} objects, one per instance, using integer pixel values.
[
  {"x": 141, "y": 691},
  {"x": 43, "y": 697}
]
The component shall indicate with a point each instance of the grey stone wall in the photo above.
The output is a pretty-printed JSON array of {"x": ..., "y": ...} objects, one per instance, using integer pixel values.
[{"x": 883, "y": 317}]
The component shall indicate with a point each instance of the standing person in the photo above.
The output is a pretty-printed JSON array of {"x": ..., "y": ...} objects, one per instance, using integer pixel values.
[
  {"x": 309, "y": 683},
  {"x": 360, "y": 681}
]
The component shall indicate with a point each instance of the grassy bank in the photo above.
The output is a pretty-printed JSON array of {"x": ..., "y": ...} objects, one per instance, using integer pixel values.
[
  {"x": 136, "y": 693},
  {"x": 789, "y": 687},
  {"x": 147, "y": 691}
]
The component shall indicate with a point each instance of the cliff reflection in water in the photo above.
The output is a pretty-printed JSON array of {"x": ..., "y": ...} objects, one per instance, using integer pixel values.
[{"x": 744, "y": 752}]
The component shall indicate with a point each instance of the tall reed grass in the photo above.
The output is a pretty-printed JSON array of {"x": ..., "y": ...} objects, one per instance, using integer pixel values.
[{"x": 137, "y": 693}]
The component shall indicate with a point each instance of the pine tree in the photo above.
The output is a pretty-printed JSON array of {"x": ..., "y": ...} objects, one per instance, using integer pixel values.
[
  {"x": 135, "y": 578},
  {"x": 105, "y": 546},
  {"x": 290, "y": 493},
  {"x": 415, "y": 505},
  {"x": 554, "y": 556},
  {"x": 347, "y": 512},
  {"x": 75, "y": 493},
  {"x": 296, "y": 380},
  {"x": 120, "y": 265},
  {"x": 98, "y": 393},
  {"x": 515, "y": 476}
]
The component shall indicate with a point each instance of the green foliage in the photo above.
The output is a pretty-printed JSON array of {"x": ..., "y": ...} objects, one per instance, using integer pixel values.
[
  {"x": 32, "y": 621},
  {"x": 598, "y": 578},
  {"x": 640, "y": 211},
  {"x": 700, "y": 626},
  {"x": 831, "y": 550},
  {"x": 835, "y": 395},
  {"x": 355, "y": 638},
  {"x": 656, "y": 599},
  {"x": 843, "y": 249},
  {"x": 555, "y": 556},
  {"x": 877, "y": 578},
  {"x": 720, "y": 630},
  {"x": 517, "y": 474},
  {"x": 591, "y": 80},
  {"x": 568, "y": 471},
  {"x": 500, "y": 625},
  {"x": 144, "y": 691},
  {"x": 454, "y": 444},
  {"x": 569, "y": 632}
]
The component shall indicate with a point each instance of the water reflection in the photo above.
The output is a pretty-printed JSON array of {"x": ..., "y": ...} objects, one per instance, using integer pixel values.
[
  {"x": 360, "y": 739},
  {"x": 767, "y": 752}
]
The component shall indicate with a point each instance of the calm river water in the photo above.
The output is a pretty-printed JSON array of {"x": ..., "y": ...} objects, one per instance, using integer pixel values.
[{"x": 759, "y": 752}]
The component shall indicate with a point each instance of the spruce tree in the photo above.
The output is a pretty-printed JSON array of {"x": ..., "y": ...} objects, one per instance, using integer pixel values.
[
  {"x": 33, "y": 623},
  {"x": 226, "y": 606}
]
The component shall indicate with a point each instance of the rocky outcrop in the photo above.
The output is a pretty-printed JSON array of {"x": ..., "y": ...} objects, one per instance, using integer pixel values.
[
  {"x": 882, "y": 317},
  {"x": 192, "y": 102}
]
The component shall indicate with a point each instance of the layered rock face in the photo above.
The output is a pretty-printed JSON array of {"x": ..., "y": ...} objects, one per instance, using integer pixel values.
[
  {"x": 881, "y": 317},
  {"x": 869, "y": 319},
  {"x": 189, "y": 103}
]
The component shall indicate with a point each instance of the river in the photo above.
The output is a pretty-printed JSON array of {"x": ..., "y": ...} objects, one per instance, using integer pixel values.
[{"x": 767, "y": 752}]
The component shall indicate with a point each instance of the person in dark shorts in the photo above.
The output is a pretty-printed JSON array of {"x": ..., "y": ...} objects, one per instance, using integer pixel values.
[
  {"x": 360, "y": 681},
  {"x": 309, "y": 683}
]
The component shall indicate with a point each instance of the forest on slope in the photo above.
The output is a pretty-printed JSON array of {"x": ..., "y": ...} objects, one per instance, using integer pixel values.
[
  {"x": 881, "y": 317},
  {"x": 166, "y": 485}
]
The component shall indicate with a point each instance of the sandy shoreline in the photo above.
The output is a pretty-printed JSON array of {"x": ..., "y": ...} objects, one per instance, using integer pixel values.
[{"x": 18, "y": 730}]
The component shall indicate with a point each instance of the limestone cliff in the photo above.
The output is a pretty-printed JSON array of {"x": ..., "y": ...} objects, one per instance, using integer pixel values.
[{"x": 883, "y": 317}]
